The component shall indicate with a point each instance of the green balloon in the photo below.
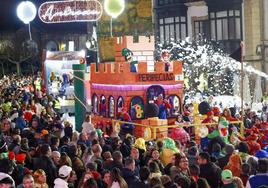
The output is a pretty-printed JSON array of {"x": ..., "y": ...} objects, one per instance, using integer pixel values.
[{"x": 114, "y": 7}]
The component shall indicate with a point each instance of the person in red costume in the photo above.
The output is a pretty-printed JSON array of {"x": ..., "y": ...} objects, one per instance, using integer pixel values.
[
  {"x": 126, "y": 127},
  {"x": 209, "y": 118},
  {"x": 163, "y": 106}
]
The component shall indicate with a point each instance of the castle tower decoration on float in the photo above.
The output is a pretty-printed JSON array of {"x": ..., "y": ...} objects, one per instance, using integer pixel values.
[{"x": 115, "y": 86}]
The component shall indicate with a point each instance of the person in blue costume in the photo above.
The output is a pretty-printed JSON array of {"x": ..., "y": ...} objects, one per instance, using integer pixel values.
[
  {"x": 128, "y": 54},
  {"x": 163, "y": 106}
]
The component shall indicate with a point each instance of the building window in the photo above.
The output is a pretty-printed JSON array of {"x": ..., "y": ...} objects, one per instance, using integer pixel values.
[
  {"x": 175, "y": 103},
  {"x": 172, "y": 28},
  {"x": 225, "y": 25},
  {"x": 201, "y": 27},
  {"x": 111, "y": 107},
  {"x": 103, "y": 106},
  {"x": 120, "y": 104},
  {"x": 95, "y": 104}
]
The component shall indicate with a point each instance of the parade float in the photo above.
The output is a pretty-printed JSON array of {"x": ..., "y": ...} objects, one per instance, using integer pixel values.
[
  {"x": 58, "y": 76},
  {"x": 133, "y": 82}
]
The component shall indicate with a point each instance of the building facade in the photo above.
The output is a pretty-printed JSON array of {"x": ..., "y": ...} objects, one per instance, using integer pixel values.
[
  {"x": 228, "y": 22},
  {"x": 216, "y": 20}
]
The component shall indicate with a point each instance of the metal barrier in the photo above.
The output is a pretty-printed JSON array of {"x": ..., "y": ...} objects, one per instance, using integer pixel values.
[{"x": 153, "y": 128}]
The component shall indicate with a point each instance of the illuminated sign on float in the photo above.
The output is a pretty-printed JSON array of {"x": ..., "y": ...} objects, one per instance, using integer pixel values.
[{"x": 70, "y": 11}]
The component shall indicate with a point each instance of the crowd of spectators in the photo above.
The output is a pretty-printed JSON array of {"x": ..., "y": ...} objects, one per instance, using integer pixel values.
[{"x": 40, "y": 149}]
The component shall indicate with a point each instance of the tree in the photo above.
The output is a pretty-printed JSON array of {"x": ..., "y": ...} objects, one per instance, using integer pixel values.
[
  {"x": 16, "y": 49},
  {"x": 203, "y": 56}
]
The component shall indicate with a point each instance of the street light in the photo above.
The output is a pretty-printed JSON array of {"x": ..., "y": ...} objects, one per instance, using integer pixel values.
[
  {"x": 114, "y": 8},
  {"x": 26, "y": 12}
]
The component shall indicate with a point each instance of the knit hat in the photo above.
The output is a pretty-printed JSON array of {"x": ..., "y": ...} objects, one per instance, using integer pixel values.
[
  {"x": 65, "y": 171},
  {"x": 11, "y": 155},
  {"x": 226, "y": 174},
  {"x": 20, "y": 158}
]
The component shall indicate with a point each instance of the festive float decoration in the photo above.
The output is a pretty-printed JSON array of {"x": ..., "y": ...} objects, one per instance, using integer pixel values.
[
  {"x": 26, "y": 11},
  {"x": 79, "y": 95},
  {"x": 115, "y": 86},
  {"x": 222, "y": 130},
  {"x": 70, "y": 11},
  {"x": 169, "y": 149}
]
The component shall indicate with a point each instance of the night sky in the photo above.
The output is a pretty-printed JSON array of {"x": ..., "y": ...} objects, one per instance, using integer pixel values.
[{"x": 10, "y": 22}]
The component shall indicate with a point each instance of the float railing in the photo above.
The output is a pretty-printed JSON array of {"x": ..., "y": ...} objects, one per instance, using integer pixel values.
[{"x": 152, "y": 129}]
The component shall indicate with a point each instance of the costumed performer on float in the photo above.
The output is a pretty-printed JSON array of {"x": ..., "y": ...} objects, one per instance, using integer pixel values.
[
  {"x": 222, "y": 130},
  {"x": 126, "y": 128},
  {"x": 165, "y": 57},
  {"x": 163, "y": 105},
  {"x": 128, "y": 54}
]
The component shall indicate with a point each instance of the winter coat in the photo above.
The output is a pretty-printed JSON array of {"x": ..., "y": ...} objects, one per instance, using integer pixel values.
[
  {"x": 223, "y": 161},
  {"x": 129, "y": 176},
  {"x": 113, "y": 164},
  {"x": 48, "y": 166},
  {"x": 212, "y": 173},
  {"x": 139, "y": 184}
]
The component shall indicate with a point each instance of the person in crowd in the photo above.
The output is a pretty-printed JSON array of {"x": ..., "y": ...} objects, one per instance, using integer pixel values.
[
  {"x": 261, "y": 177},
  {"x": 46, "y": 163},
  {"x": 209, "y": 170},
  {"x": 87, "y": 126},
  {"x": 64, "y": 175},
  {"x": 154, "y": 170},
  {"x": 97, "y": 150},
  {"x": 117, "y": 180},
  {"x": 234, "y": 164},
  {"x": 222, "y": 161},
  {"x": 155, "y": 157},
  {"x": 180, "y": 165},
  {"x": 106, "y": 176},
  {"x": 40, "y": 179},
  {"x": 27, "y": 182},
  {"x": 227, "y": 179},
  {"x": 128, "y": 171}
]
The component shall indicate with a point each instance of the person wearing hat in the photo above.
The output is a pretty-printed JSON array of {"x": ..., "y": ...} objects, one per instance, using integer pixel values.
[
  {"x": 128, "y": 54},
  {"x": 6, "y": 180},
  {"x": 227, "y": 179},
  {"x": 64, "y": 175},
  {"x": 21, "y": 170}
]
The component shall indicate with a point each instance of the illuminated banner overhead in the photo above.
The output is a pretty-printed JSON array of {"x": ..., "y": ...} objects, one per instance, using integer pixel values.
[{"x": 70, "y": 11}]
